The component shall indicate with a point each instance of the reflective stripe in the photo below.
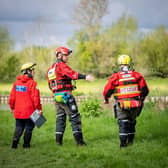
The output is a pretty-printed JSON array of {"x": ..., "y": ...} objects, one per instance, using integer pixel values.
[
  {"x": 120, "y": 80},
  {"x": 74, "y": 115},
  {"x": 126, "y": 86},
  {"x": 58, "y": 115},
  {"x": 125, "y": 134},
  {"x": 76, "y": 132},
  {"x": 124, "y": 120},
  {"x": 131, "y": 133},
  {"x": 59, "y": 133},
  {"x": 121, "y": 94}
]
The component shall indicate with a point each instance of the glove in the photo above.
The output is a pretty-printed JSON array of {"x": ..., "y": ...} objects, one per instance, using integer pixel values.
[
  {"x": 106, "y": 101},
  {"x": 40, "y": 113}
]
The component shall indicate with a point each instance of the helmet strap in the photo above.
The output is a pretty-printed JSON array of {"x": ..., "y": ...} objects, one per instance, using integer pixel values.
[{"x": 28, "y": 72}]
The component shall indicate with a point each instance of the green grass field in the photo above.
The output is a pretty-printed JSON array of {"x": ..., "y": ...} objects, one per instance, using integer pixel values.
[
  {"x": 150, "y": 149},
  {"x": 157, "y": 86}
]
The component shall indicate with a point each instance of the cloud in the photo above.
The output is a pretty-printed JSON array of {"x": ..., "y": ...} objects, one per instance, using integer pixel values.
[
  {"x": 50, "y": 21},
  {"x": 149, "y": 14}
]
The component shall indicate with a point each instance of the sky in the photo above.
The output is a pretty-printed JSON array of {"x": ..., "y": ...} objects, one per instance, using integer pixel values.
[{"x": 50, "y": 22}]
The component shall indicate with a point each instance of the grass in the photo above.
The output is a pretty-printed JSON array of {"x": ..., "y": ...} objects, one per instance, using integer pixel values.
[
  {"x": 101, "y": 134},
  {"x": 157, "y": 86}
]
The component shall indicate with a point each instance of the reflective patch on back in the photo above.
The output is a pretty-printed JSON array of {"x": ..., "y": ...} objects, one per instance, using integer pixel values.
[{"x": 20, "y": 88}]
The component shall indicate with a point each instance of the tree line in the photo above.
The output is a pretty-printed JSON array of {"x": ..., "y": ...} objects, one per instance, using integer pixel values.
[{"x": 95, "y": 48}]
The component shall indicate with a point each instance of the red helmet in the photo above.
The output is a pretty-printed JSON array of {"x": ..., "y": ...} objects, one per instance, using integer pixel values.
[{"x": 63, "y": 50}]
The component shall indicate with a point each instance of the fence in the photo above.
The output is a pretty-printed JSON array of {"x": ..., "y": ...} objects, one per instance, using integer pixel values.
[
  {"x": 44, "y": 99},
  {"x": 49, "y": 100}
]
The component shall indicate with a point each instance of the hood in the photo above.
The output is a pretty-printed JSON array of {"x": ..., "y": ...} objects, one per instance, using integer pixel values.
[{"x": 24, "y": 78}]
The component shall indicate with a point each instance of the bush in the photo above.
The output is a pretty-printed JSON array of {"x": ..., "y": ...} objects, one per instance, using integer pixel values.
[{"x": 91, "y": 108}]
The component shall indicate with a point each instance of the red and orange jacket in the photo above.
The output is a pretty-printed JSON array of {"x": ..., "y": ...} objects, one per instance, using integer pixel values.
[
  {"x": 60, "y": 77},
  {"x": 123, "y": 85},
  {"x": 24, "y": 97}
]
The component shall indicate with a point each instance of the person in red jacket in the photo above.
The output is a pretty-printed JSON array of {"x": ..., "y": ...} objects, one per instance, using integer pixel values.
[
  {"x": 23, "y": 101},
  {"x": 60, "y": 77},
  {"x": 129, "y": 90}
]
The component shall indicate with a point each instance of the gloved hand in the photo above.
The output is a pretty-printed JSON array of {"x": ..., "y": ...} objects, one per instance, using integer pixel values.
[
  {"x": 12, "y": 111},
  {"x": 40, "y": 113},
  {"x": 89, "y": 78},
  {"x": 106, "y": 101}
]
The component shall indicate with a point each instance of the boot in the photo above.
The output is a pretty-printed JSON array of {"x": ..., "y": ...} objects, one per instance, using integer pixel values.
[
  {"x": 123, "y": 141},
  {"x": 14, "y": 144},
  {"x": 131, "y": 139},
  {"x": 26, "y": 145},
  {"x": 79, "y": 139},
  {"x": 59, "y": 139},
  {"x": 17, "y": 134}
]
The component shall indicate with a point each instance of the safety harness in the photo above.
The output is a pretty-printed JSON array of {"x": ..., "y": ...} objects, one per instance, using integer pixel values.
[
  {"x": 127, "y": 92},
  {"x": 56, "y": 83}
]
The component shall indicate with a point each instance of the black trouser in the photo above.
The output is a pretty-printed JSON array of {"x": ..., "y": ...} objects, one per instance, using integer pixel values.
[
  {"x": 126, "y": 123},
  {"x": 70, "y": 109},
  {"x": 126, "y": 131},
  {"x": 22, "y": 124}
]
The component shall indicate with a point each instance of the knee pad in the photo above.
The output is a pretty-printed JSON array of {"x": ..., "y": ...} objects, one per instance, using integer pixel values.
[
  {"x": 75, "y": 122},
  {"x": 75, "y": 117},
  {"x": 123, "y": 126},
  {"x": 61, "y": 117}
]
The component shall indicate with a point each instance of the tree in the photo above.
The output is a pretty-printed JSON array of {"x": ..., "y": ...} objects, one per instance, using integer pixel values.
[
  {"x": 153, "y": 49},
  {"x": 98, "y": 55},
  {"x": 90, "y": 12},
  {"x": 9, "y": 61},
  {"x": 42, "y": 56}
]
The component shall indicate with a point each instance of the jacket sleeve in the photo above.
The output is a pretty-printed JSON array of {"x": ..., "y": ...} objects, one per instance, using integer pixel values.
[
  {"x": 67, "y": 71},
  {"x": 109, "y": 87},
  {"x": 12, "y": 98},
  {"x": 142, "y": 86},
  {"x": 35, "y": 95}
]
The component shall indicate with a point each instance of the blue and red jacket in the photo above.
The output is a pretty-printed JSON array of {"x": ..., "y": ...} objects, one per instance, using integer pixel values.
[
  {"x": 126, "y": 85},
  {"x": 24, "y": 97},
  {"x": 60, "y": 77}
]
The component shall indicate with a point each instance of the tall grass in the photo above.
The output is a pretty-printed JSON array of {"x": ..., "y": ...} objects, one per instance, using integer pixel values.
[{"x": 101, "y": 134}]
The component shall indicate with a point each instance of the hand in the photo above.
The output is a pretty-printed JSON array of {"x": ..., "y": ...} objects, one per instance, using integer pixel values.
[
  {"x": 12, "y": 111},
  {"x": 40, "y": 113},
  {"x": 89, "y": 78},
  {"x": 106, "y": 101}
]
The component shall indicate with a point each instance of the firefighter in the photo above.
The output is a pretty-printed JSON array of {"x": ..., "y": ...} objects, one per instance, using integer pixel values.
[
  {"x": 24, "y": 99},
  {"x": 129, "y": 90},
  {"x": 60, "y": 77}
]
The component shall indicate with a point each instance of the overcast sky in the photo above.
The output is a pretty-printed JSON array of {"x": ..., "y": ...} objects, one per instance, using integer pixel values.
[{"x": 46, "y": 22}]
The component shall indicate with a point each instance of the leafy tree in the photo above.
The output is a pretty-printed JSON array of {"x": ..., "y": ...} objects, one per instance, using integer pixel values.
[
  {"x": 153, "y": 51},
  {"x": 9, "y": 61},
  {"x": 98, "y": 55},
  {"x": 11, "y": 68},
  {"x": 42, "y": 56}
]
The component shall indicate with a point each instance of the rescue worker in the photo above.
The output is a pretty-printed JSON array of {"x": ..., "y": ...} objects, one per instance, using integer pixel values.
[
  {"x": 23, "y": 101},
  {"x": 129, "y": 90},
  {"x": 60, "y": 77}
]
